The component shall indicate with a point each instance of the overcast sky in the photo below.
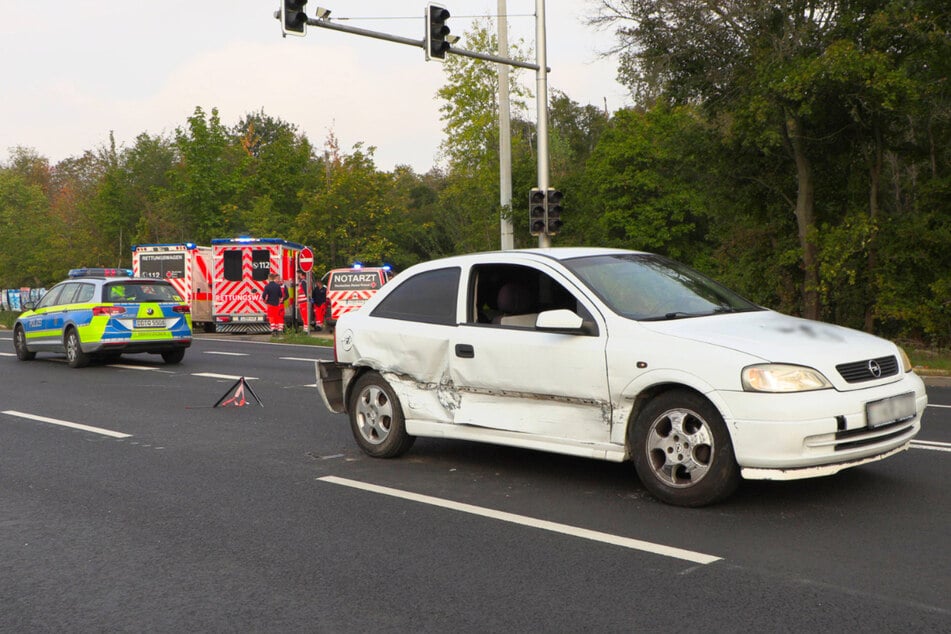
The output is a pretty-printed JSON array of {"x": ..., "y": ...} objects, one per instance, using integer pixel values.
[{"x": 72, "y": 71}]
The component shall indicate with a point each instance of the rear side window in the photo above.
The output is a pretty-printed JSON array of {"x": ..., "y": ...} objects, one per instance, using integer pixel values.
[
  {"x": 70, "y": 291},
  {"x": 428, "y": 297}
]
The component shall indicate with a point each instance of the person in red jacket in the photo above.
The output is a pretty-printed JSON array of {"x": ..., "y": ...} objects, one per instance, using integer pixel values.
[{"x": 274, "y": 295}]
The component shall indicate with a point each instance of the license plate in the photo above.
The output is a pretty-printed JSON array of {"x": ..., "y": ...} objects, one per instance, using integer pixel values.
[
  {"x": 247, "y": 318},
  {"x": 149, "y": 323},
  {"x": 890, "y": 410}
]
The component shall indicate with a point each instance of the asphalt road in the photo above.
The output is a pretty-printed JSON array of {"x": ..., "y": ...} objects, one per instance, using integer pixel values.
[{"x": 268, "y": 518}]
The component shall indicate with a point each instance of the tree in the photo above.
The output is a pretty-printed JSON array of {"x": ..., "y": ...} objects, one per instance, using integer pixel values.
[{"x": 738, "y": 57}]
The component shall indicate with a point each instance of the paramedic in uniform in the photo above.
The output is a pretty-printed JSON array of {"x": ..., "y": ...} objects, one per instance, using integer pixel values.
[
  {"x": 273, "y": 295},
  {"x": 303, "y": 299}
]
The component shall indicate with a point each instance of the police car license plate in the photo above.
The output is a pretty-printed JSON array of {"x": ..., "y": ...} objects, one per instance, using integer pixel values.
[
  {"x": 149, "y": 323},
  {"x": 890, "y": 410}
]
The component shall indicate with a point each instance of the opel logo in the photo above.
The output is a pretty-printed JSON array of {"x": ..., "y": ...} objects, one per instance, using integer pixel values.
[{"x": 874, "y": 368}]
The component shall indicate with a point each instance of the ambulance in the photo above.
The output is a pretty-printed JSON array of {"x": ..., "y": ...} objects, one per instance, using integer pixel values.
[
  {"x": 349, "y": 289},
  {"x": 187, "y": 267},
  {"x": 241, "y": 269}
]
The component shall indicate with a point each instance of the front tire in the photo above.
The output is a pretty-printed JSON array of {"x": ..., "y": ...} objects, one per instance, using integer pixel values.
[
  {"x": 682, "y": 450},
  {"x": 74, "y": 350},
  {"x": 376, "y": 418},
  {"x": 19, "y": 344}
]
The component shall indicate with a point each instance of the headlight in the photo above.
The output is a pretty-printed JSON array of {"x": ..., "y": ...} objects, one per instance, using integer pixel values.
[
  {"x": 779, "y": 377},
  {"x": 905, "y": 359}
]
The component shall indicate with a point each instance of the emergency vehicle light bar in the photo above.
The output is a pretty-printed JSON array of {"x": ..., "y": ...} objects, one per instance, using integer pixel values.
[
  {"x": 100, "y": 272},
  {"x": 249, "y": 240}
]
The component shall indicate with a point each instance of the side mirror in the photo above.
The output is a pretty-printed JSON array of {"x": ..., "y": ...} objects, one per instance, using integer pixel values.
[{"x": 561, "y": 320}]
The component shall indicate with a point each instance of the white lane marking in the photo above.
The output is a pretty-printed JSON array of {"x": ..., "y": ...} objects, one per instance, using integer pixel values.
[
  {"x": 936, "y": 405},
  {"x": 231, "y": 377},
  {"x": 7, "y": 354},
  {"x": 227, "y": 354},
  {"x": 63, "y": 423},
  {"x": 132, "y": 367},
  {"x": 299, "y": 359},
  {"x": 564, "y": 529},
  {"x": 932, "y": 445}
]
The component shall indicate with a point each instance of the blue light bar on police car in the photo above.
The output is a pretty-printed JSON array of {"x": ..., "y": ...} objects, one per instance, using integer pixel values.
[{"x": 99, "y": 272}]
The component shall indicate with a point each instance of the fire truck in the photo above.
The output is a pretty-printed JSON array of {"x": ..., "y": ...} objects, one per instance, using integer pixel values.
[
  {"x": 241, "y": 269},
  {"x": 349, "y": 289},
  {"x": 188, "y": 268}
]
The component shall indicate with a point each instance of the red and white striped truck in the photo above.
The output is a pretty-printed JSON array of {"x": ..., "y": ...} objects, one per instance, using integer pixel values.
[
  {"x": 241, "y": 269},
  {"x": 188, "y": 268}
]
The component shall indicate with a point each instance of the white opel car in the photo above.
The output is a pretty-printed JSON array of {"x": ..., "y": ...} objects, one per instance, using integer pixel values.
[{"x": 617, "y": 355}]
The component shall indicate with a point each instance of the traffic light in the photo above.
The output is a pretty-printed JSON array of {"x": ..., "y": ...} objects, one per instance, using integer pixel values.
[
  {"x": 553, "y": 213},
  {"x": 437, "y": 31},
  {"x": 537, "y": 212},
  {"x": 293, "y": 17}
]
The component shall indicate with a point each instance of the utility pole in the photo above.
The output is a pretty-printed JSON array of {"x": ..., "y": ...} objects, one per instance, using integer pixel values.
[
  {"x": 505, "y": 135},
  {"x": 541, "y": 102}
]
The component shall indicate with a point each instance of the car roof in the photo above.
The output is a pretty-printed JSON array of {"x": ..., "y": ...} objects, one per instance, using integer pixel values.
[{"x": 516, "y": 255}]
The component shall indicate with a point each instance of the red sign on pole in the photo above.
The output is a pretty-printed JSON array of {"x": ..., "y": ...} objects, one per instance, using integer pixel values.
[{"x": 306, "y": 259}]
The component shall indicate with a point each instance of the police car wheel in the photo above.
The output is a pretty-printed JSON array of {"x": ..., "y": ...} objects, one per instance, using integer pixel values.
[
  {"x": 75, "y": 356},
  {"x": 19, "y": 343},
  {"x": 173, "y": 356},
  {"x": 376, "y": 418}
]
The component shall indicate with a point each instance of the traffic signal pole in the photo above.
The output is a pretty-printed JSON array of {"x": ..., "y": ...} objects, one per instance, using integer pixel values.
[
  {"x": 541, "y": 104},
  {"x": 506, "y": 229}
]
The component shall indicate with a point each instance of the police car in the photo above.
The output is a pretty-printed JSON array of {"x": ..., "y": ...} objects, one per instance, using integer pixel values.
[{"x": 103, "y": 313}]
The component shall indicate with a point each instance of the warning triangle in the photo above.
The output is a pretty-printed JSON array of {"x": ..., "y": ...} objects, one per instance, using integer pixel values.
[{"x": 237, "y": 397}]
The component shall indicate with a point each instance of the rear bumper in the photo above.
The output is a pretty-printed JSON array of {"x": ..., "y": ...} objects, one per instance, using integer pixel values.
[
  {"x": 130, "y": 346},
  {"x": 333, "y": 379}
]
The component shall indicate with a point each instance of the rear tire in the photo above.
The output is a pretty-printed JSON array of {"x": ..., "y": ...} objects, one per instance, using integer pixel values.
[
  {"x": 74, "y": 350},
  {"x": 376, "y": 418},
  {"x": 173, "y": 356},
  {"x": 682, "y": 450},
  {"x": 19, "y": 344}
]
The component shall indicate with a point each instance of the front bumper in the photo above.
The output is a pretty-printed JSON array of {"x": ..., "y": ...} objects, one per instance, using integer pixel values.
[{"x": 790, "y": 436}]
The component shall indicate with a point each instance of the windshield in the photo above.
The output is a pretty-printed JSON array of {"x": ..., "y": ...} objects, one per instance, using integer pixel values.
[{"x": 650, "y": 287}]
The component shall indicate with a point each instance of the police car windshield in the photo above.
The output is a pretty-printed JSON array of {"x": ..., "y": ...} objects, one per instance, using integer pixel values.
[{"x": 128, "y": 291}]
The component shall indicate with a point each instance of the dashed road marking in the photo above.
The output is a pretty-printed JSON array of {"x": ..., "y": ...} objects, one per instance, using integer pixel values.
[
  {"x": 64, "y": 423},
  {"x": 230, "y": 377}
]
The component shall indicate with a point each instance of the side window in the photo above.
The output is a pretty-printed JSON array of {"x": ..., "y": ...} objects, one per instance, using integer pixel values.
[
  {"x": 51, "y": 298},
  {"x": 232, "y": 265},
  {"x": 428, "y": 297},
  {"x": 513, "y": 295}
]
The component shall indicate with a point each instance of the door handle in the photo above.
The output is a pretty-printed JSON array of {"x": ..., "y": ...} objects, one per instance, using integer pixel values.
[{"x": 465, "y": 351}]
